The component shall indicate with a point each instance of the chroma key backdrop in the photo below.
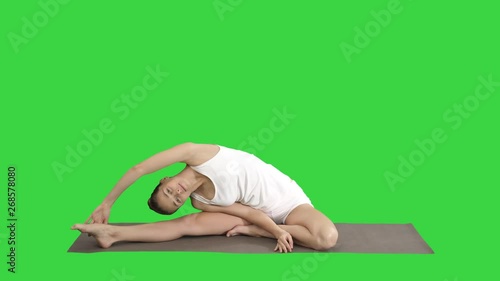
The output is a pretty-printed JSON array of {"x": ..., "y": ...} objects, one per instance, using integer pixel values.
[{"x": 383, "y": 111}]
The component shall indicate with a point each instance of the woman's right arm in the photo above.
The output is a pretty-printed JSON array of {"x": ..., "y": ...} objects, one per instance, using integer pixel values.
[
  {"x": 256, "y": 217},
  {"x": 185, "y": 153},
  {"x": 176, "y": 154}
]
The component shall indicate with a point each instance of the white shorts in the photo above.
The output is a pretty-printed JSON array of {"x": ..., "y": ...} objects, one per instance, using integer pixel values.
[{"x": 285, "y": 205}]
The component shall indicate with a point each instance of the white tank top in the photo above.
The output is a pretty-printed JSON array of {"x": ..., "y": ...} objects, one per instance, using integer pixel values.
[{"x": 241, "y": 177}]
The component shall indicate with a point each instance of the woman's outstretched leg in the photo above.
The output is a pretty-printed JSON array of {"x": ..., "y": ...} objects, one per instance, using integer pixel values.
[{"x": 197, "y": 224}]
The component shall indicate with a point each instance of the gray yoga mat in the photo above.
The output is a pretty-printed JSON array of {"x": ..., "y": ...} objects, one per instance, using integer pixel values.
[{"x": 353, "y": 238}]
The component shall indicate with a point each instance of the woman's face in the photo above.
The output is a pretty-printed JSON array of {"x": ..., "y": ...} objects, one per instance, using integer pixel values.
[{"x": 172, "y": 194}]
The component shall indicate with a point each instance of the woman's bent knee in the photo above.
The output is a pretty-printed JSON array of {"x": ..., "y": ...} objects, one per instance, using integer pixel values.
[{"x": 326, "y": 238}]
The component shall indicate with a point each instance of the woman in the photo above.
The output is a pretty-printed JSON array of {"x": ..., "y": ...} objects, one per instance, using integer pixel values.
[{"x": 237, "y": 193}]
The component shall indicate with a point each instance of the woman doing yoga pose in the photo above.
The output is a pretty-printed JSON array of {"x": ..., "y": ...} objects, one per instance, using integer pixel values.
[{"x": 237, "y": 193}]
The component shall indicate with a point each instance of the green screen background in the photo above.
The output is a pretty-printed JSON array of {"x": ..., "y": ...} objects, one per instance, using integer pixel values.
[{"x": 350, "y": 118}]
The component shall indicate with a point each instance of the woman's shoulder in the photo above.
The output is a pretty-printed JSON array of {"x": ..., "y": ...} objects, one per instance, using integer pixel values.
[{"x": 202, "y": 153}]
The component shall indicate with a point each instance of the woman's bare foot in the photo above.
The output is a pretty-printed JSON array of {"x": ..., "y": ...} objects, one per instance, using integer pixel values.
[
  {"x": 103, "y": 233},
  {"x": 248, "y": 230}
]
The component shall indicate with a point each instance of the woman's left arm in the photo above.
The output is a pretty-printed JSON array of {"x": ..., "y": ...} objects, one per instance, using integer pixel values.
[{"x": 254, "y": 216}]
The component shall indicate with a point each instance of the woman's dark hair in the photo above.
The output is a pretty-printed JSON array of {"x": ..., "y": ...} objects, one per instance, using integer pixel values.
[{"x": 153, "y": 203}]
